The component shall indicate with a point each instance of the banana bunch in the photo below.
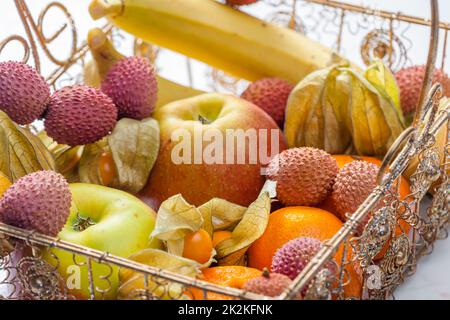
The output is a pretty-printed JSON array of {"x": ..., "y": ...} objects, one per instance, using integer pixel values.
[
  {"x": 218, "y": 35},
  {"x": 341, "y": 110},
  {"x": 105, "y": 56}
]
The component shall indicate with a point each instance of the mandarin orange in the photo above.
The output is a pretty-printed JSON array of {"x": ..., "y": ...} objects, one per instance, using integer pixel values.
[
  {"x": 229, "y": 276},
  {"x": 293, "y": 222}
]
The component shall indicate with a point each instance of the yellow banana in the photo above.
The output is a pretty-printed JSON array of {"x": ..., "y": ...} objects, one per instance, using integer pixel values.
[
  {"x": 169, "y": 91},
  {"x": 105, "y": 56},
  {"x": 219, "y": 35}
]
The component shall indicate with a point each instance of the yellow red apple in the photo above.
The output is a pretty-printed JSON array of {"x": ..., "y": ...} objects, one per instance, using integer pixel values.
[{"x": 212, "y": 145}]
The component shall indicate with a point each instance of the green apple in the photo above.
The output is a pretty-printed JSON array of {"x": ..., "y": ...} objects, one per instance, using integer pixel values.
[{"x": 105, "y": 219}]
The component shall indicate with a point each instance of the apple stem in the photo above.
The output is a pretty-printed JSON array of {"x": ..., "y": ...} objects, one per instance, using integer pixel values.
[
  {"x": 82, "y": 223},
  {"x": 203, "y": 120}
]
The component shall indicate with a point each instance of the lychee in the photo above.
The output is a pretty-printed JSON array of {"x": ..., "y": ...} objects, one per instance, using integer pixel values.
[
  {"x": 78, "y": 115},
  {"x": 38, "y": 201},
  {"x": 24, "y": 93},
  {"x": 354, "y": 183},
  {"x": 131, "y": 83},
  {"x": 240, "y": 2},
  {"x": 268, "y": 284},
  {"x": 410, "y": 82},
  {"x": 304, "y": 176},
  {"x": 271, "y": 95},
  {"x": 294, "y": 255}
]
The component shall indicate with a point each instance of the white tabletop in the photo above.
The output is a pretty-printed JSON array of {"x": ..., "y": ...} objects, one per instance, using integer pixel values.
[{"x": 432, "y": 279}]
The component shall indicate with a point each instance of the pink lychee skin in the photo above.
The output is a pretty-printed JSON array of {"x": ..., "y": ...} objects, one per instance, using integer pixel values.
[
  {"x": 312, "y": 170},
  {"x": 78, "y": 115},
  {"x": 38, "y": 201},
  {"x": 24, "y": 93},
  {"x": 271, "y": 95},
  {"x": 294, "y": 255},
  {"x": 132, "y": 85},
  {"x": 271, "y": 286},
  {"x": 410, "y": 81},
  {"x": 240, "y": 2},
  {"x": 348, "y": 194},
  {"x": 354, "y": 183}
]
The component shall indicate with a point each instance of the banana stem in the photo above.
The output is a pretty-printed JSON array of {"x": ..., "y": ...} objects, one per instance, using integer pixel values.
[
  {"x": 99, "y": 8},
  {"x": 103, "y": 51}
]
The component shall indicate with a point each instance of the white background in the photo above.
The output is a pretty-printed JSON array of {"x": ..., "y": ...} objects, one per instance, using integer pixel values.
[{"x": 433, "y": 278}]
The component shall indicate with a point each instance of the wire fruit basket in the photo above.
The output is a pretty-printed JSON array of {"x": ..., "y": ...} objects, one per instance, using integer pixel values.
[{"x": 25, "y": 275}]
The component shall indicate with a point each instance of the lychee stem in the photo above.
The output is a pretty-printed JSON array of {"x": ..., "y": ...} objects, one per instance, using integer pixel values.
[{"x": 265, "y": 273}]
